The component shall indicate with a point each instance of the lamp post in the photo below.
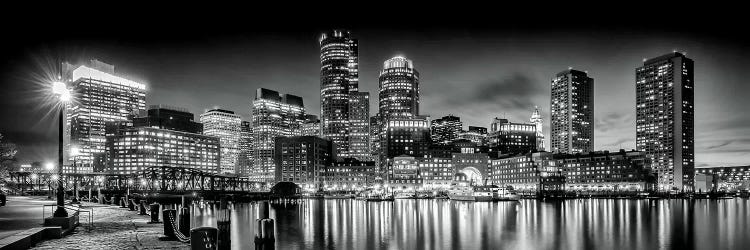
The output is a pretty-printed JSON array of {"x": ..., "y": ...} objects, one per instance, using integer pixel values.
[
  {"x": 74, "y": 153},
  {"x": 62, "y": 92},
  {"x": 49, "y": 166}
]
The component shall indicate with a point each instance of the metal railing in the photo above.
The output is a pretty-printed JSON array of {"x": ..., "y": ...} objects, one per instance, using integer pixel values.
[{"x": 76, "y": 210}]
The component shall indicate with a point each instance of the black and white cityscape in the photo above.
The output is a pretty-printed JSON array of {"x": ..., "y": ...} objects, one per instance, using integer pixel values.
[{"x": 385, "y": 136}]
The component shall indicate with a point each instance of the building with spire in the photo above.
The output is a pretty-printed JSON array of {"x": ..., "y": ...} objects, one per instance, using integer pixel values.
[{"x": 536, "y": 119}]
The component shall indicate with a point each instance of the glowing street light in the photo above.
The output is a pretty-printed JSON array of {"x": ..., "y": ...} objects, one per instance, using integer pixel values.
[
  {"x": 49, "y": 166},
  {"x": 62, "y": 92}
]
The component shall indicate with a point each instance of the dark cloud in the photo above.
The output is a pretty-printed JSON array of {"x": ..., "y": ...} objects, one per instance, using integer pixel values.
[
  {"x": 612, "y": 121},
  {"x": 720, "y": 145},
  {"x": 511, "y": 92}
]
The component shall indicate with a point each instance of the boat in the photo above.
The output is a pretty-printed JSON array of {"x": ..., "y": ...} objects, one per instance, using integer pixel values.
[
  {"x": 467, "y": 192},
  {"x": 338, "y": 195},
  {"x": 405, "y": 195},
  {"x": 380, "y": 197}
]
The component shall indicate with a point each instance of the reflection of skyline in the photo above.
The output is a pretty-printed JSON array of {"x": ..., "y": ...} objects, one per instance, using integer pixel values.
[{"x": 444, "y": 224}]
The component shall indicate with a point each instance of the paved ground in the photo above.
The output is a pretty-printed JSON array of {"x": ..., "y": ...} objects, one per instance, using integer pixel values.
[
  {"x": 114, "y": 228},
  {"x": 21, "y": 213}
]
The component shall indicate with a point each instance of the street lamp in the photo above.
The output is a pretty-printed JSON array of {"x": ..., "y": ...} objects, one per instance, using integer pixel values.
[
  {"x": 62, "y": 92},
  {"x": 74, "y": 152}
]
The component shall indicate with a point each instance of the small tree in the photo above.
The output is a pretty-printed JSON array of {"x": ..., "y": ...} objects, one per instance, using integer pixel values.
[{"x": 8, "y": 160}]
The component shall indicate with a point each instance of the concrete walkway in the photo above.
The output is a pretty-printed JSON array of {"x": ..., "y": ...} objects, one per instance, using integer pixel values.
[
  {"x": 21, "y": 213},
  {"x": 114, "y": 228}
]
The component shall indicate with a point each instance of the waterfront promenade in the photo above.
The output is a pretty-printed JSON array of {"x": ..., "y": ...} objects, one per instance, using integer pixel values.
[{"x": 112, "y": 228}]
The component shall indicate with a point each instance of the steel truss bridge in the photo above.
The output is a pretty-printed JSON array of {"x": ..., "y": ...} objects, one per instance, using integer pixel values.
[{"x": 158, "y": 179}]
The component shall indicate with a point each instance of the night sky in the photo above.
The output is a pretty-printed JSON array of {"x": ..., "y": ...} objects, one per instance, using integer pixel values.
[{"x": 475, "y": 69}]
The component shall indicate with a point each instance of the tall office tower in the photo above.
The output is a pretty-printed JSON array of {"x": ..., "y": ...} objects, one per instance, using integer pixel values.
[
  {"x": 536, "y": 119},
  {"x": 226, "y": 125},
  {"x": 375, "y": 138},
  {"x": 311, "y": 126},
  {"x": 359, "y": 133},
  {"x": 167, "y": 136},
  {"x": 340, "y": 99},
  {"x": 512, "y": 137},
  {"x": 447, "y": 129},
  {"x": 245, "y": 158},
  {"x": 572, "y": 122},
  {"x": 665, "y": 118},
  {"x": 101, "y": 96},
  {"x": 274, "y": 115},
  {"x": 399, "y": 89}
]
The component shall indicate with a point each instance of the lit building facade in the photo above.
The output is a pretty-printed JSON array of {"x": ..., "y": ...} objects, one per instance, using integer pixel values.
[
  {"x": 536, "y": 119},
  {"x": 731, "y": 178},
  {"x": 665, "y": 115},
  {"x": 474, "y": 165},
  {"x": 130, "y": 149},
  {"x": 607, "y": 172},
  {"x": 399, "y": 89},
  {"x": 274, "y": 115},
  {"x": 572, "y": 112},
  {"x": 475, "y": 134},
  {"x": 528, "y": 173},
  {"x": 101, "y": 96},
  {"x": 404, "y": 174},
  {"x": 436, "y": 172},
  {"x": 447, "y": 129},
  {"x": 311, "y": 126},
  {"x": 404, "y": 136},
  {"x": 226, "y": 125},
  {"x": 359, "y": 134},
  {"x": 344, "y": 111},
  {"x": 511, "y": 137},
  {"x": 302, "y": 160},
  {"x": 350, "y": 174},
  {"x": 245, "y": 158}
]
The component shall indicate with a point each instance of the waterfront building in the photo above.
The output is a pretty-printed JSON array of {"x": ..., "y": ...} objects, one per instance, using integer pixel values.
[
  {"x": 274, "y": 115},
  {"x": 436, "y": 172},
  {"x": 512, "y": 138},
  {"x": 446, "y": 129},
  {"x": 404, "y": 136},
  {"x": 101, "y": 96},
  {"x": 528, "y": 173},
  {"x": 474, "y": 165},
  {"x": 729, "y": 178},
  {"x": 607, "y": 171},
  {"x": 351, "y": 174},
  {"x": 302, "y": 160},
  {"x": 134, "y": 146},
  {"x": 404, "y": 174},
  {"x": 665, "y": 113},
  {"x": 572, "y": 112},
  {"x": 226, "y": 125}
]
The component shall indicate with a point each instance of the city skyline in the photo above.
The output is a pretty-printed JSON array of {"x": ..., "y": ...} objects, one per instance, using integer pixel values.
[{"x": 453, "y": 81}]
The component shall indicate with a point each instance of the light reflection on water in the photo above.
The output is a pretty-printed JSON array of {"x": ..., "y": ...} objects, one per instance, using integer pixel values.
[{"x": 529, "y": 224}]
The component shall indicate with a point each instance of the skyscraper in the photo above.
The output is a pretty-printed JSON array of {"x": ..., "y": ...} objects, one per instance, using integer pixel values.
[
  {"x": 101, "y": 96},
  {"x": 536, "y": 119},
  {"x": 311, "y": 126},
  {"x": 274, "y": 115},
  {"x": 572, "y": 121},
  {"x": 665, "y": 118},
  {"x": 445, "y": 130},
  {"x": 399, "y": 89},
  {"x": 344, "y": 111},
  {"x": 245, "y": 158},
  {"x": 359, "y": 133},
  {"x": 225, "y": 125}
]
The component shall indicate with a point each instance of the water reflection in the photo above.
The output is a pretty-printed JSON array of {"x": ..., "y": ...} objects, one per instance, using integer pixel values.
[{"x": 529, "y": 224}]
